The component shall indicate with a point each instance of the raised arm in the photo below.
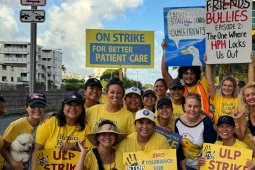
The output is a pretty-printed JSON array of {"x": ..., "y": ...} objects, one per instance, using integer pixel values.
[
  {"x": 251, "y": 68},
  {"x": 209, "y": 77},
  {"x": 167, "y": 77}
]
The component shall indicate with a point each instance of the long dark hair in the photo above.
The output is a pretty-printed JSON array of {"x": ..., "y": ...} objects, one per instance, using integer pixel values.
[{"x": 80, "y": 120}]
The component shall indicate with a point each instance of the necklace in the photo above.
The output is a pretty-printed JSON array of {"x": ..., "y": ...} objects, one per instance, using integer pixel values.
[{"x": 69, "y": 137}]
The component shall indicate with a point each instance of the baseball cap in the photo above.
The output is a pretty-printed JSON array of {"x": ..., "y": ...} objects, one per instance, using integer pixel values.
[
  {"x": 144, "y": 113},
  {"x": 73, "y": 96},
  {"x": 91, "y": 82},
  {"x": 226, "y": 119},
  {"x": 177, "y": 82},
  {"x": 164, "y": 100},
  {"x": 35, "y": 97},
  {"x": 149, "y": 92},
  {"x": 133, "y": 90}
]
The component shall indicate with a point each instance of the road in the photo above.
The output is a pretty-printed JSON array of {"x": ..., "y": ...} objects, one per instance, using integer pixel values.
[{"x": 4, "y": 123}]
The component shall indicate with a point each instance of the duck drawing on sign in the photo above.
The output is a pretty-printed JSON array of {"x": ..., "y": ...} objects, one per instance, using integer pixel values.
[
  {"x": 190, "y": 150},
  {"x": 195, "y": 53}
]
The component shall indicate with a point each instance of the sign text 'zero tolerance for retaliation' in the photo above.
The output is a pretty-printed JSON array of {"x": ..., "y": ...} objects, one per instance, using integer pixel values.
[{"x": 114, "y": 49}]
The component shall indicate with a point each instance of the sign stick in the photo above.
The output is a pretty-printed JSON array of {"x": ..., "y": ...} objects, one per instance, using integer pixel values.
[
  {"x": 32, "y": 55},
  {"x": 120, "y": 73}
]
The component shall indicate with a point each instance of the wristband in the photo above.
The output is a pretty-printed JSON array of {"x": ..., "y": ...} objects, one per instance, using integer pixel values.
[
  {"x": 237, "y": 127},
  {"x": 251, "y": 70}
]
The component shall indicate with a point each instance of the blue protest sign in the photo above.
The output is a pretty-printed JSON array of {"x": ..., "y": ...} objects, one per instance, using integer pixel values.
[
  {"x": 174, "y": 139},
  {"x": 184, "y": 29}
]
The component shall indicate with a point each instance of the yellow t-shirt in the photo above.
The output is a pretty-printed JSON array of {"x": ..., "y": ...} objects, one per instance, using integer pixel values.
[
  {"x": 222, "y": 105},
  {"x": 17, "y": 128},
  {"x": 177, "y": 112},
  {"x": 104, "y": 99},
  {"x": 204, "y": 83},
  {"x": 91, "y": 162},
  {"x": 130, "y": 144},
  {"x": 1, "y": 158},
  {"x": 52, "y": 136},
  {"x": 237, "y": 144},
  {"x": 123, "y": 119},
  {"x": 125, "y": 107},
  {"x": 170, "y": 124}
]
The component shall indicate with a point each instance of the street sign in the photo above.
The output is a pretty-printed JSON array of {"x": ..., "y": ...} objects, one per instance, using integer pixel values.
[
  {"x": 32, "y": 16},
  {"x": 33, "y": 2}
]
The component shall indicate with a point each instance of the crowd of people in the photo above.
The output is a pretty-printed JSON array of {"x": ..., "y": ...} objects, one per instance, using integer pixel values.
[{"x": 125, "y": 119}]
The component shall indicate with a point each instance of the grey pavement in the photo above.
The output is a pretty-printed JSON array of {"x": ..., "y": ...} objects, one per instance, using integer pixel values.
[{"x": 4, "y": 123}]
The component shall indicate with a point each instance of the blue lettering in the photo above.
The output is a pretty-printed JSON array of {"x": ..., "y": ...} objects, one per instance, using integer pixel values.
[
  {"x": 121, "y": 36},
  {"x": 114, "y": 36},
  {"x": 136, "y": 37},
  {"x": 141, "y": 37},
  {"x": 107, "y": 37},
  {"x": 97, "y": 36},
  {"x": 127, "y": 38}
]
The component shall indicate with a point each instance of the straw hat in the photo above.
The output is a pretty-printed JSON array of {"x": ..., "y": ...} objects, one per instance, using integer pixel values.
[{"x": 104, "y": 129}]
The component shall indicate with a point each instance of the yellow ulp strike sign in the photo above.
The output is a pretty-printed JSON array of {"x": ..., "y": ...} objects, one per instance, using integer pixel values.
[
  {"x": 150, "y": 160},
  {"x": 53, "y": 159},
  {"x": 119, "y": 48},
  {"x": 221, "y": 157}
]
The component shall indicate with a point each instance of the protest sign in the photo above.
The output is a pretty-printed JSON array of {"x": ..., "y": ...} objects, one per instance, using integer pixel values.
[
  {"x": 164, "y": 159},
  {"x": 228, "y": 31},
  {"x": 184, "y": 29},
  {"x": 119, "y": 49},
  {"x": 173, "y": 139},
  {"x": 224, "y": 157},
  {"x": 52, "y": 159}
]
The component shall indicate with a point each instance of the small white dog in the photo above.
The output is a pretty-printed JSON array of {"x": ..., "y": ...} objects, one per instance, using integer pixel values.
[{"x": 19, "y": 149}]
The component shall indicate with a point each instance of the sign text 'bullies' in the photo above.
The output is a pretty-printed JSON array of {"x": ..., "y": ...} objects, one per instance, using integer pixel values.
[
  {"x": 228, "y": 31},
  {"x": 115, "y": 49}
]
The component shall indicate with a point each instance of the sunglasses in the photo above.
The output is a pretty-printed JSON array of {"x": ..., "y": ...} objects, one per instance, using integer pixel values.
[
  {"x": 116, "y": 82},
  {"x": 33, "y": 106}
]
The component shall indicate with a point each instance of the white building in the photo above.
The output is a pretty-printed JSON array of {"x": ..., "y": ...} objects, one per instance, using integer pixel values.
[{"x": 15, "y": 67}]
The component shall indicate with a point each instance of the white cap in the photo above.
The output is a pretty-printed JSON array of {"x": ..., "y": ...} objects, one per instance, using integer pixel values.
[
  {"x": 133, "y": 90},
  {"x": 144, "y": 113}
]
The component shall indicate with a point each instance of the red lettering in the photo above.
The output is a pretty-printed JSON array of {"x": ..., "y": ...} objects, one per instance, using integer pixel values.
[
  {"x": 242, "y": 13},
  {"x": 64, "y": 158},
  {"x": 55, "y": 157},
  {"x": 72, "y": 167},
  {"x": 225, "y": 166},
  {"x": 229, "y": 154},
  {"x": 46, "y": 167},
  {"x": 227, "y": 17},
  {"x": 236, "y": 168},
  {"x": 236, "y": 15},
  {"x": 221, "y": 153},
  {"x": 71, "y": 155},
  {"x": 245, "y": 167},
  {"x": 237, "y": 154},
  {"x": 61, "y": 166},
  {"x": 208, "y": 18},
  {"x": 211, "y": 164},
  {"x": 54, "y": 166},
  {"x": 67, "y": 166},
  {"x": 221, "y": 18},
  {"x": 218, "y": 162},
  {"x": 218, "y": 44}
]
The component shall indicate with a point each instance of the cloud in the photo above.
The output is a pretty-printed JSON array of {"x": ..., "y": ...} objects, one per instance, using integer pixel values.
[
  {"x": 9, "y": 29},
  {"x": 159, "y": 33},
  {"x": 66, "y": 25}
]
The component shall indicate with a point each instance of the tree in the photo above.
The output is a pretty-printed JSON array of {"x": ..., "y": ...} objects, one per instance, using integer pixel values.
[
  {"x": 107, "y": 74},
  {"x": 63, "y": 68},
  {"x": 72, "y": 80},
  {"x": 130, "y": 83},
  {"x": 103, "y": 83},
  {"x": 149, "y": 86}
]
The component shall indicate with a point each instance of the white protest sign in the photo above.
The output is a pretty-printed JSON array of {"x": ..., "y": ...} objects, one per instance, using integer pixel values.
[{"x": 228, "y": 31}]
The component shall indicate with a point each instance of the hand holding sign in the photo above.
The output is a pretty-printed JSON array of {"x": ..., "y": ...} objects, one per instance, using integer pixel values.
[
  {"x": 250, "y": 165},
  {"x": 252, "y": 139},
  {"x": 164, "y": 44},
  {"x": 201, "y": 161}
]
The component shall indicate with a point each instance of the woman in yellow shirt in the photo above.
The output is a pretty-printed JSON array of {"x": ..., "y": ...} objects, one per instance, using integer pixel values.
[
  {"x": 144, "y": 139},
  {"x": 133, "y": 100},
  {"x": 226, "y": 127},
  {"x": 35, "y": 106},
  {"x": 160, "y": 88},
  {"x": 64, "y": 130},
  {"x": 165, "y": 110},
  {"x": 112, "y": 111},
  {"x": 92, "y": 92},
  {"x": 104, "y": 155},
  {"x": 149, "y": 99}
]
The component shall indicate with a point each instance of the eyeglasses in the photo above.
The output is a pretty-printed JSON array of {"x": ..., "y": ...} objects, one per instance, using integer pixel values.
[
  {"x": 116, "y": 82},
  {"x": 33, "y": 106},
  {"x": 189, "y": 73}
]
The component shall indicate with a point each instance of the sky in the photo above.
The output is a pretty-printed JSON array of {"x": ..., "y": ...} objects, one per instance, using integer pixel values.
[{"x": 67, "y": 20}]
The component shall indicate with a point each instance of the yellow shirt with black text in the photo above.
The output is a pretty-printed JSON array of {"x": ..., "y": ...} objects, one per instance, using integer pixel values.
[
  {"x": 222, "y": 106},
  {"x": 205, "y": 85},
  {"x": 91, "y": 162},
  {"x": 51, "y": 135},
  {"x": 130, "y": 144},
  {"x": 123, "y": 119}
]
